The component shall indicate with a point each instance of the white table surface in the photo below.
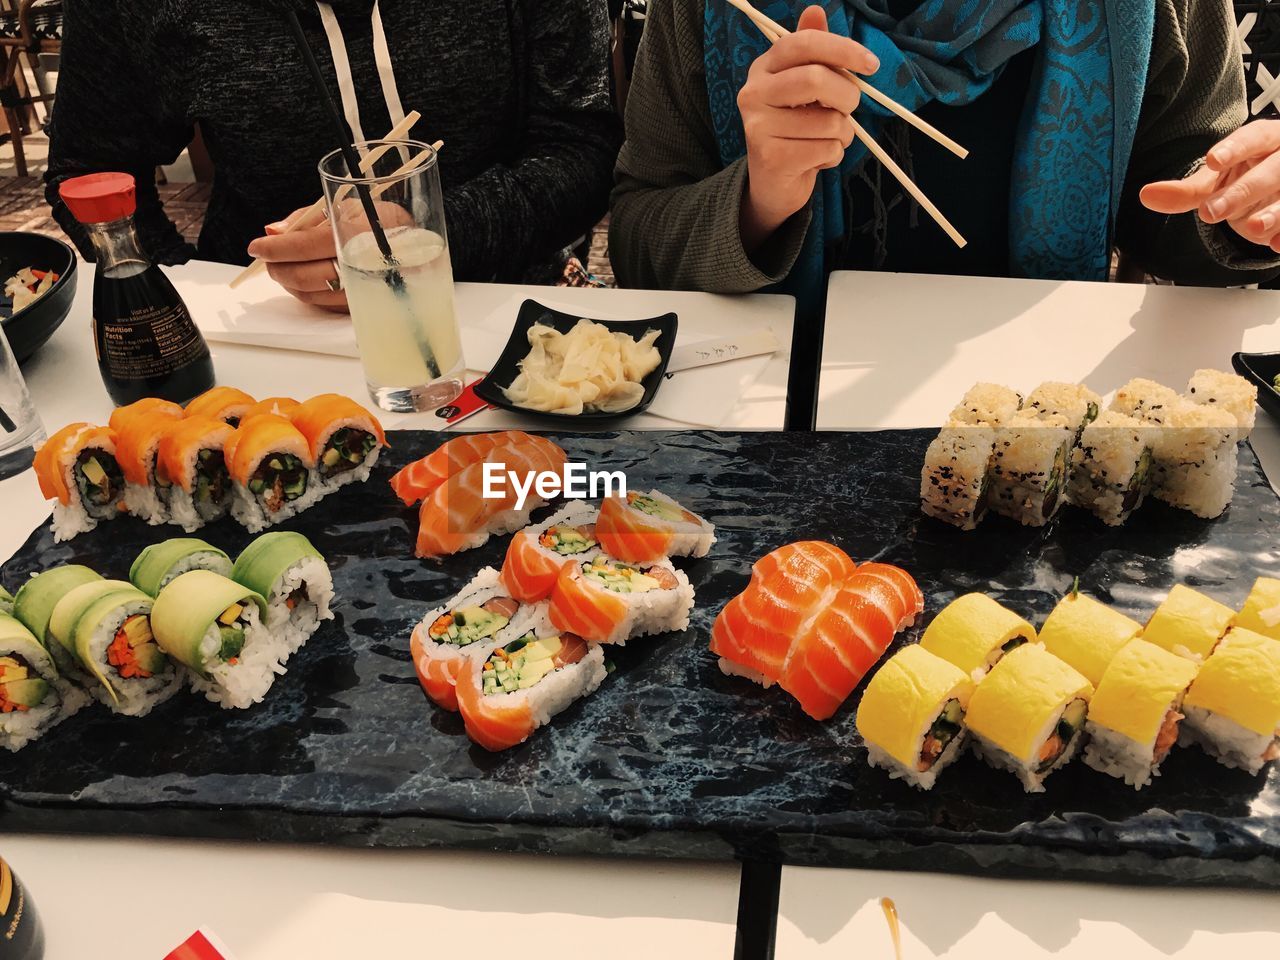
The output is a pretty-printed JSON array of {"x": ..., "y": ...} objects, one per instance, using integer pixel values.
[
  {"x": 899, "y": 351},
  {"x": 269, "y": 902}
]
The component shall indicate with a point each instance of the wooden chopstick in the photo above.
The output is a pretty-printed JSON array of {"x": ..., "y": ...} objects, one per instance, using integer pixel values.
[
  {"x": 767, "y": 24},
  {"x": 773, "y": 32},
  {"x": 315, "y": 213}
]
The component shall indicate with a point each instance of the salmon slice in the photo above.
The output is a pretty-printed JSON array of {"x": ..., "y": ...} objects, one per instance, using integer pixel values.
[
  {"x": 180, "y": 445},
  {"x": 904, "y": 583},
  {"x": 493, "y": 722},
  {"x": 137, "y": 444},
  {"x": 457, "y": 510},
  {"x": 438, "y": 675},
  {"x": 630, "y": 535},
  {"x": 529, "y": 573},
  {"x": 280, "y": 406},
  {"x": 147, "y": 408},
  {"x": 315, "y": 418},
  {"x": 62, "y": 448},
  {"x": 258, "y": 437},
  {"x": 220, "y": 403},
  {"x": 418, "y": 480},
  {"x": 579, "y": 608}
]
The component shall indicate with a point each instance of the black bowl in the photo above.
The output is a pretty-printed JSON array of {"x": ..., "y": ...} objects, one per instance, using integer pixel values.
[
  {"x": 1261, "y": 369},
  {"x": 29, "y": 328},
  {"x": 508, "y": 365}
]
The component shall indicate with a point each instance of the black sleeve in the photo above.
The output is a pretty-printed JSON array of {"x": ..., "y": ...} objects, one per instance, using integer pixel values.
[
  {"x": 113, "y": 113},
  {"x": 556, "y": 186}
]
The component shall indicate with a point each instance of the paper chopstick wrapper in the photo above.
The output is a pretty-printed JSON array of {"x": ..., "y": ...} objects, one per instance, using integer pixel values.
[
  {"x": 201, "y": 945},
  {"x": 722, "y": 349}
]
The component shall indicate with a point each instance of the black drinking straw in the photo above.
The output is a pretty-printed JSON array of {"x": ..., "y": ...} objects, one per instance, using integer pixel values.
[{"x": 8, "y": 424}]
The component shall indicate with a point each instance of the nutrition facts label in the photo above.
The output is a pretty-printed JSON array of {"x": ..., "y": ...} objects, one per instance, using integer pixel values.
[{"x": 149, "y": 342}]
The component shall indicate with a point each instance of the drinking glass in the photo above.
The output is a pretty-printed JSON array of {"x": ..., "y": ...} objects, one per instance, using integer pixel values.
[
  {"x": 20, "y": 426},
  {"x": 400, "y": 296}
]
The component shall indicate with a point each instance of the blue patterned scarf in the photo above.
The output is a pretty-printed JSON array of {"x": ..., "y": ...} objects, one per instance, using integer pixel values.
[{"x": 1073, "y": 141}]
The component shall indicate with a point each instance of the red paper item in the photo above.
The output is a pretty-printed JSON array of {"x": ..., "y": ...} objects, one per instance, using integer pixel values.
[
  {"x": 201, "y": 945},
  {"x": 467, "y": 405}
]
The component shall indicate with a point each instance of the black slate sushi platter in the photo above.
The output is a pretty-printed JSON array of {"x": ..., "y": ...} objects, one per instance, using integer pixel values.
[{"x": 670, "y": 758}]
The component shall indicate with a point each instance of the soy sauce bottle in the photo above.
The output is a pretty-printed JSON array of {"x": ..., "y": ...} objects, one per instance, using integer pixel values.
[
  {"x": 21, "y": 936},
  {"x": 146, "y": 342}
]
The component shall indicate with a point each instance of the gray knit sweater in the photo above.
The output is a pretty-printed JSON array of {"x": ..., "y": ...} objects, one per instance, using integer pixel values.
[
  {"x": 517, "y": 89},
  {"x": 675, "y": 210}
]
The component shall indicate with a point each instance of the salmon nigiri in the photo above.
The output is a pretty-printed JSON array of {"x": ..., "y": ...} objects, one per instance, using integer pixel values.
[
  {"x": 457, "y": 516},
  {"x": 418, "y": 480},
  {"x": 814, "y": 623}
]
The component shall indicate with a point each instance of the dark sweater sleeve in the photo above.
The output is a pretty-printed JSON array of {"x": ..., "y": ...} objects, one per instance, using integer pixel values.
[
  {"x": 112, "y": 114},
  {"x": 556, "y": 187},
  {"x": 1195, "y": 97}
]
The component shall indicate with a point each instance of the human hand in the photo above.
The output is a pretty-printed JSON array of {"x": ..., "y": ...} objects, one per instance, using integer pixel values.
[
  {"x": 795, "y": 107},
  {"x": 304, "y": 262}
]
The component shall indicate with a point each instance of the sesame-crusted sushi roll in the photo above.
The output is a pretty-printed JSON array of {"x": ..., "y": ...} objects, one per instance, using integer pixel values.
[
  {"x": 1030, "y": 466},
  {"x": 1112, "y": 467},
  {"x": 34, "y": 698},
  {"x": 974, "y": 632},
  {"x": 163, "y": 562},
  {"x": 1028, "y": 714},
  {"x": 1188, "y": 623},
  {"x": 537, "y": 554},
  {"x": 292, "y": 575},
  {"x": 1077, "y": 403},
  {"x": 1196, "y": 459},
  {"x": 77, "y": 469},
  {"x": 191, "y": 463},
  {"x": 608, "y": 601},
  {"x": 646, "y": 527},
  {"x": 985, "y": 405},
  {"x": 911, "y": 717},
  {"x": 1135, "y": 711},
  {"x": 1147, "y": 401},
  {"x": 1226, "y": 391},
  {"x": 214, "y": 626},
  {"x": 221, "y": 403},
  {"x": 345, "y": 438},
  {"x": 1261, "y": 610},
  {"x": 954, "y": 481},
  {"x": 35, "y": 601},
  {"x": 1233, "y": 707},
  {"x": 271, "y": 467},
  {"x": 1086, "y": 634}
]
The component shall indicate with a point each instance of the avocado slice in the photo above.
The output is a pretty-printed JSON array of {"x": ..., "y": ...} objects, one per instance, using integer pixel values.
[
  {"x": 27, "y": 693},
  {"x": 232, "y": 642},
  {"x": 151, "y": 658},
  {"x": 93, "y": 472}
]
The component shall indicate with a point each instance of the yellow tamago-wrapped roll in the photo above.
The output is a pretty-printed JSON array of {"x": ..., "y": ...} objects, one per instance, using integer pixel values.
[
  {"x": 1027, "y": 713},
  {"x": 1233, "y": 707},
  {"x": 1188, "y": 623},
  {"x": 973, "y": 632},
  {"x": 1134, "y": 713},
  {"x": 911, "y": 717},
  {"x": 1261, "y": 610},
  {"x": 1087, "y": 634}
]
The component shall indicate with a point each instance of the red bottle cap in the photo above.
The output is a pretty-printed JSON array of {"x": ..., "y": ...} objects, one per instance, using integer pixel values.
[{"x": 99, "y": 197}]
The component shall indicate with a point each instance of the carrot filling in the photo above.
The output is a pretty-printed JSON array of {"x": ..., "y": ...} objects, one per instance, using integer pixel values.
[
  {"x": 471, "y": 624},
  {"x": 943, "y": 731},
  {"x": 526, "y": 661},
  {"x": 134, "y": 652},
  {"x": 626, "y": 578},
  {"x": 566, "y": 540},
  {"x": 21, "y": 688},
  {"x": 1167, "y": 736},
  {"x": 1064, "y": 733},
  {"x": 298, "y": 596}
]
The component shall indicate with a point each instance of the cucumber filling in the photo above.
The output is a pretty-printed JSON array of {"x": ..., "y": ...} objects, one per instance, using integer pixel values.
[
  {"x": 659, "y": 508},
  {"x": 231, "y": 629},
  {"x": 625, "y": 578},
  {"x": 280, "y": 478},
  {"x": 526, "y": 661},
  {"x": 21, "y": 688},
  {"x": 346, "y": 450},
  {"x": 98, "y": 479},
  {"x": 1068, "y": 726},
  {"x": 1138, "y": 483},
  {"x": 567, "y": 541},
  {"x": 467, "y": 625},
  {"x": 944, "y": 729},
  {"x": 1053, "y": 489},
  {"x": 212, "y": 481}
]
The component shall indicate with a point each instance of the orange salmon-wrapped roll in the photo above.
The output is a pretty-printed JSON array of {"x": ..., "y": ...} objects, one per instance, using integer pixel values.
[
  {"x": 607, "y": 601},
  {"x": 77, "y": 469},
  {"x": 536, "y": 555},
  {"x": 345, "y": 438},
  {"x": 271, "y": 467},
  {"x": 418, "y": 480},
  {"x": 146, "y": 407},
  {"x": 644, "y": 527},
  {"x": 139, "y": 429},
  {"x": 280, "y": 406},
  {"x": 191, "y": 467},
  {"x": 458, "y": 516},
  {"x": 221, "y": 403}
]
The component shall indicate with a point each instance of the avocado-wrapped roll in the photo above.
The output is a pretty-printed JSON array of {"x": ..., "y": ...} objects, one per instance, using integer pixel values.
[
  {"x": 1233, "y": 706},
  {"x": 191, "y": 464},
  {"x": 60, "y": 634},
  {"x": 36, "y": 599},
  {"x": 77, "y": 469},
  {"x": 271, "y": 465},
  {"x": 973, "y": 632},
  {"x": 912, "y": 716},
  {"x": 1135, "y": 712},
  {"x": 33, "y": 696},
  {"x": 1188, "y": 623},
  {"x": 159, "y": 564},
  {"x": 291, "y": 574},
  {"x": 1086, "y": 634},
  {"x": 345, "y": 438},
  {"x": 214, "y": 626},
  {"x": 1028, "y": 713},
  {"x": 6, "y": 601}
]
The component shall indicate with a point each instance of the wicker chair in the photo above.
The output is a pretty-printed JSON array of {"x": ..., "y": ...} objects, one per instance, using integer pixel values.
[{"x": 27, "y": 28}]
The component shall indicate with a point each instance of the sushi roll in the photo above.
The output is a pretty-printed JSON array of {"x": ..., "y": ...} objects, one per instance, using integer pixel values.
[
  {"x": 1225, "y": 391},
  {"x": 1077, "y": 404},
  {"x": 291, "y": 574},
  {"x": 34, "y": 603},
  {"x": 1135, "y": 711},
  {"x": 138, "y": 437},
  {"x": 1027, "y": 715},
  {"x": 1030, "y": 466},
  {"x": 345, "y": 439},
  {"x": 146, "y": 408},
  {"x": 1111, "y": 468},
  {"x": 221, "y": 403},
  {"x": 418, "y": 480},
  {"x": 161, "y": 563},
  {"x": 954, "y": 481},
  {"x": 6, "y": 601},
  {"x": 973, "y": 632},
  {"x": 1188, "y": 623},
  {"x": 1233, "y": 707},
  {"x": 1147, "y": 401},
  {"x": 644, "y": 527},
  {"x": 113, "y": 645},
  {"x": 911, "y": 717},
  {"x": 457, "y": 516},
  {"x": 985, "y": 405},
  {"x": 521, "y": 685},
  {"x": 480, "y": 617},
  {"x": 191, "y": 464},
  {"x": 77, "y": 469},
  {"x": 536, "y": 555},
  {"x": 1196, "y": 459},
  {"x": 1261, "y": 610},
  {"x": 1086, "y": 634},
  {"x": 60, "y": 634},
  {"x": 34, "y": 698},
  {"x": 278, "y": 406},
  {"x": 214, "y": 626},
  {"x": 607, "y": 601},
  {"x": 271, "y": 469}
]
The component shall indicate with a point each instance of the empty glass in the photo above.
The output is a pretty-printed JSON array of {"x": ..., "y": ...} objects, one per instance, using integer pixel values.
[
  {"x": 20, "y": 426},
  {"x": 400, "y": 297}
]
